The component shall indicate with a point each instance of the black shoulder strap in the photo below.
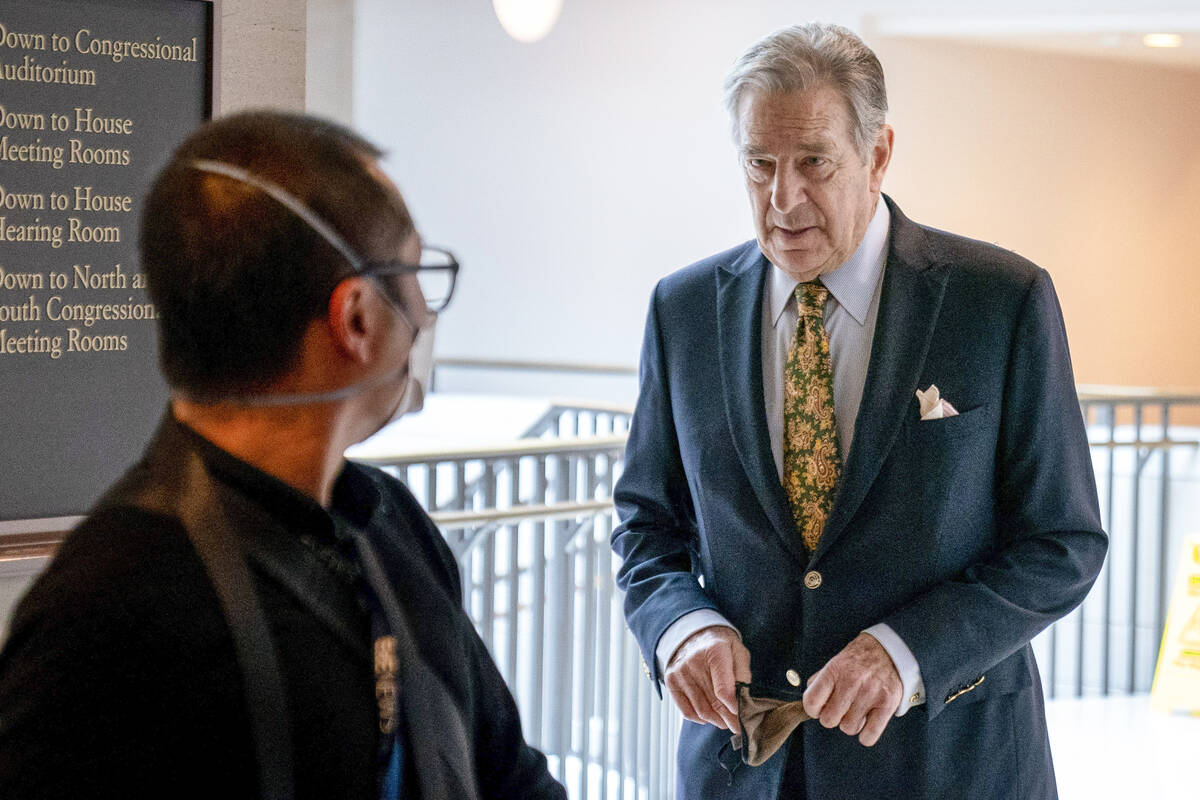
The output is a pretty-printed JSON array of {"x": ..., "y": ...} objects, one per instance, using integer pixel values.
[
  {"x": 215, "y": 539},
  {"x": 444, "y": 762}
]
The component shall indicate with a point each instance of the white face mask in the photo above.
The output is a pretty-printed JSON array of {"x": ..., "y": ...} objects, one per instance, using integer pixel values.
[
  {"x": 419, "y": 365},
  {"x": 420, "y": 371}
]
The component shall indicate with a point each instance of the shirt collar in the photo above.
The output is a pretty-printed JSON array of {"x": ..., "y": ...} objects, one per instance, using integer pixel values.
[
  {"x": 853, "y": 283},
  {"x": 354, "y": 497}
]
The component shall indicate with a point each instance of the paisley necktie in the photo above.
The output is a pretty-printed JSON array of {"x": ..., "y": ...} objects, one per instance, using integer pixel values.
[{"x": 812, "y": 460}]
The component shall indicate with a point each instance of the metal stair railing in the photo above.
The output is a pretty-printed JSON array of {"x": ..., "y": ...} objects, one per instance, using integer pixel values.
[
  {"x": 1146, "y": 455},
  {"x": 539, "y": 573},
  {"x": 529, "y": 523}
]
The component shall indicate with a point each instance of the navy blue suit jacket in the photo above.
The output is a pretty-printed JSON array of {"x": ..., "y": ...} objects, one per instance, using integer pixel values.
[{"x": 967, "y": 535}]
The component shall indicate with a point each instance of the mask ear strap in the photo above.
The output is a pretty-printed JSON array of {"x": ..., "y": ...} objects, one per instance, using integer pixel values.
[
  {"x": 326, "y": 232},
  {"x": 298, "y": 399},
  {"x": 293, "y": 204},
  {"x": 285, "y": 198}
]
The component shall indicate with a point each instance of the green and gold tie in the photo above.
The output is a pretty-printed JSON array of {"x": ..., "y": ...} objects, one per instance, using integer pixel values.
[{"x": 812, "y": 460}]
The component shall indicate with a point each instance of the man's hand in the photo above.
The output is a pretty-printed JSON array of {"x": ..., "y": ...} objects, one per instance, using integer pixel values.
[
  {"x": 858, "y": 690},
  {"x": 702, "y": 676}
]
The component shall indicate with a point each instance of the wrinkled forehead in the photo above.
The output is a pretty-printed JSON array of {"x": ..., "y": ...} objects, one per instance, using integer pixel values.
[{"x": 816, "y": 119}]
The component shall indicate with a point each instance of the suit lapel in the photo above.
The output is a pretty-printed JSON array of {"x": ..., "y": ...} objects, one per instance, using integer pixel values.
[
  {"x": 739, "y": 332},
  {"x": 913, "y": 286}
]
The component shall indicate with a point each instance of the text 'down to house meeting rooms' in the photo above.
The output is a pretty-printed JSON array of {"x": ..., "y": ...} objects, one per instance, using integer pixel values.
[{"x": 62, "y": 149}]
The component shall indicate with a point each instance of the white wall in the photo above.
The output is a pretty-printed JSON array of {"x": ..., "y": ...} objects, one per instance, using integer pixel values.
[
  {"x": 568, "y": 175},
  {"x": 261, "y": 62},
  {"x": 573, "y": 173},
  {"x": 329, "y": 59}
]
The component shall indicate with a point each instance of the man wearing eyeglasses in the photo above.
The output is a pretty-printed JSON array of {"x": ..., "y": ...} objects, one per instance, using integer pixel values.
[{"x": 246, "y": 614}]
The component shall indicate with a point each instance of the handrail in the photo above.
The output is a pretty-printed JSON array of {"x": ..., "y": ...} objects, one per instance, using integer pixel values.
[
  {"x": 1149, "y": 444},
  {"x": 514, "y": 449},
  {"x": 536, "y": 366},
  {"x": 462, "y": 519},
  {"x": 37, "y": 527},
  {"x": 1086, "y": 391},
  {"x": 1098, "y": 393},
  {"x": 18, "y": 547},
  {"x": 590, "y": 406}
]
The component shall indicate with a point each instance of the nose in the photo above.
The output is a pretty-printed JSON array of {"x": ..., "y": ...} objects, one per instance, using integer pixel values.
[{"x": 788, "y": 190}]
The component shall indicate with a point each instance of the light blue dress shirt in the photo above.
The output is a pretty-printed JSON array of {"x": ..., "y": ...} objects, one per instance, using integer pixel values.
[{"x": 850, "y": 315}]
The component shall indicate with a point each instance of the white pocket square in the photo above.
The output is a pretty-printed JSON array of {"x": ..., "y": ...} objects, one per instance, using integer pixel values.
[{"x": 932, "y": 404}]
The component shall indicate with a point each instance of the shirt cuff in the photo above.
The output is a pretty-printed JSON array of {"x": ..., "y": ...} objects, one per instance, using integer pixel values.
[
  {"x": 679, "y": 630},
  {"x": 906, "y": 665}
]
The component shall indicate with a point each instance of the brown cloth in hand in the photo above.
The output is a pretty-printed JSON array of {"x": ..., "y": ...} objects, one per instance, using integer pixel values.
[{"x": 765, "y": 723}]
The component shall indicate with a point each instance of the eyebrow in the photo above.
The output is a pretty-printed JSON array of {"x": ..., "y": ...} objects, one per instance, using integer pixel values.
[{"x": 818, "y": 146}]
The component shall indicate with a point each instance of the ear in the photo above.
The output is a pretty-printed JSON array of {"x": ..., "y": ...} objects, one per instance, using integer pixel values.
[
  {"x": 881, "y": 156},
  {"x": 353, "y": 319}
]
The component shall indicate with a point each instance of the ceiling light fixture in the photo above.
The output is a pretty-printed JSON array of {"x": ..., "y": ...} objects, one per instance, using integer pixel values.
[
  {"x": 1162, "y": 40},
  {"x": 527, "y": 20}
]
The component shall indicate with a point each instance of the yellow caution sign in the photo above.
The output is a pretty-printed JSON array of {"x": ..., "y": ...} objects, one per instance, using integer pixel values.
[{"x": 1177, "y": 676}]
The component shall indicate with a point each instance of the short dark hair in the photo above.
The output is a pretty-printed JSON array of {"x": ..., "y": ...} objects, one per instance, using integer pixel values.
[{"x": 235, "y": 275}]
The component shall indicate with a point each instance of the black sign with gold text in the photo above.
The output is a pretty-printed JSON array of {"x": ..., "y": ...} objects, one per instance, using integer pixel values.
[{"x": 94, "y": 96}]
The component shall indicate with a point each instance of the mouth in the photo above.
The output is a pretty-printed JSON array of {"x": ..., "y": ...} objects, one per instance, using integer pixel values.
[{"x": 797, "y": 233}]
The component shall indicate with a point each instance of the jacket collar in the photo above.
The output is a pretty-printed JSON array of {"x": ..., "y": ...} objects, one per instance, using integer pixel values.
[
  {"x": 913, "y": 285},
  {"x": 739, "y": 335},
  {"x": 271, "y": 517},
  {"x": 910, "y": 301}
]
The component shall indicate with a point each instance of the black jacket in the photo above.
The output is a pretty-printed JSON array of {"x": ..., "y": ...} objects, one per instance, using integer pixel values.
[{"x": 119, "y": 676}]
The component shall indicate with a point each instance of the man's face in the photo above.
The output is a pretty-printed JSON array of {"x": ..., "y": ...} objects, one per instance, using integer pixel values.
[{"x": 811, "y": 192}]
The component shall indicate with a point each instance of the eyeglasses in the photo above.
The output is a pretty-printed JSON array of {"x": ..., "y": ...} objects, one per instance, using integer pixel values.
[{"x": 436, "y": 275}]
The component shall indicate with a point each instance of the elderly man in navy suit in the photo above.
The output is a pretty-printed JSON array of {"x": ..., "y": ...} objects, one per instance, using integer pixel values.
[{"x": 857, "y": 476}]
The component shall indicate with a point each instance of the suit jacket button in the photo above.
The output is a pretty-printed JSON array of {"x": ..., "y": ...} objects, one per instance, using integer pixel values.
[
  {"x": 793, "y": 677},
  {"x": 813, "y": 579}
]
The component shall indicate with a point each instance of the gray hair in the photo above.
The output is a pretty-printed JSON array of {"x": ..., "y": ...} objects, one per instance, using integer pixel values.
[{"x": 804, "y": 57}]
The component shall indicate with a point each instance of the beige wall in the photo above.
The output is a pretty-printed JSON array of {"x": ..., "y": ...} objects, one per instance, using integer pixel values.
[
  {"x": 262, "y": 54},
  {"x": 268, "y": 59},
  {"x": 1090, "y": 168},
  {"x": 329, "y": 79}
]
